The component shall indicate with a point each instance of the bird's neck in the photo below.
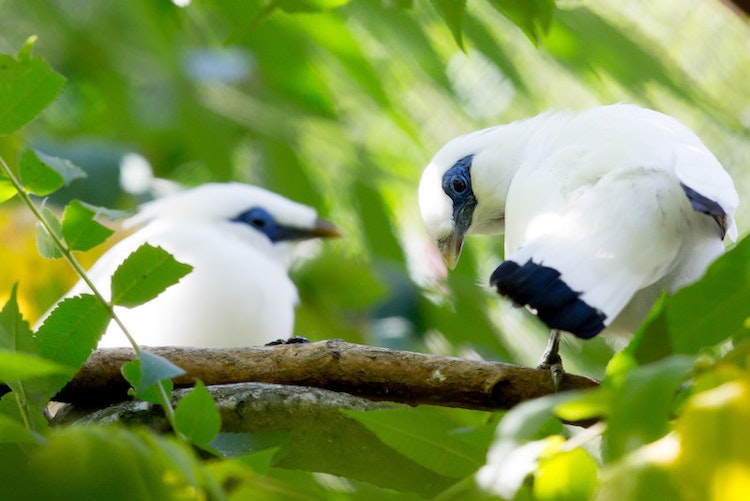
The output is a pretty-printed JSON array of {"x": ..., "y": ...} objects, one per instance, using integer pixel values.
[{"x": 505, "y": 150}]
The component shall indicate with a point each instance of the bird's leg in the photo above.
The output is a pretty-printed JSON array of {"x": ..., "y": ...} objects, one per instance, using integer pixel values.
[{"x": 551, "y": 359}]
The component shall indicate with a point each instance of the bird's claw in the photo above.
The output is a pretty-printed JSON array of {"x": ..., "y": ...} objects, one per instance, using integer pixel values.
[
  {"x": 552, "y": 361},
  {"x": 556, "y": 372}
]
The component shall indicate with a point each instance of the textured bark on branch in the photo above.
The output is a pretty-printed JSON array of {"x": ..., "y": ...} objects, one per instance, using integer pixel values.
[{"x": 366, "y": 371}]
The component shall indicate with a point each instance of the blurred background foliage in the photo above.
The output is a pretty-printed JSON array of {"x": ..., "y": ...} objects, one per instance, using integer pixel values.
[{"x": 339, "y": 104}]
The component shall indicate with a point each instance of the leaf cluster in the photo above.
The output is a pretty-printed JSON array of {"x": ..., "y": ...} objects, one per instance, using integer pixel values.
[{"x": 338, "y": 109}]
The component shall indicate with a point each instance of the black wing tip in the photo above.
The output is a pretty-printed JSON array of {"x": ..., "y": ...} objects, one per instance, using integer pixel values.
[
  {"x": 707, "y": 206},
  {"x": 556, "y": 304}
]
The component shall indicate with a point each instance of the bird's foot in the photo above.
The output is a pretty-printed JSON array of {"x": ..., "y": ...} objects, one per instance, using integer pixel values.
[
  {"x": 291, "y": 340},
  {"x": 552, "y": 360},
  {"x": 555, "y": 367}
]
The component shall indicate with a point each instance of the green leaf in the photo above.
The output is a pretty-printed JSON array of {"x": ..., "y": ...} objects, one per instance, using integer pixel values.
[
  {"x": 151, "y": 394},
  {"x": 80, "y": 230},
  {"x": 534, "y": 17},
  {"x": 68, "y": 336},
  {"x": 72, "y": 330},
  {"x": 36, "y": 176},
  {"x": 10, "y": 407},
  {"x": 44, "y": 242},
  {"x": 17, "y": 366},
  {"x": 13, "y": 432},
  {"x": 453, "y": 11},
  {"x": 15, "y": 334},
  {"x": 98, "y": 462},
  {"x": 424, "y": 437},
  {"x": 144, "y": 372},
  {"x": 197, "y": 417},
  {"x": 27, "y": 86},
  {"x": 703, "y": 314},
  {"x": 67, "y": 169},
  {"x": 642, "y": 404},
  {"x": 7, "y": 189},
  {"x": 565, "y": 476},
  {"x": 145, "y": 274}
]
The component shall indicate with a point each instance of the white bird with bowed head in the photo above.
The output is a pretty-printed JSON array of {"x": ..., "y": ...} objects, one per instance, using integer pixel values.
[
  {"x": 239, "y": 239},
  {"x": 602, "y": 210}
]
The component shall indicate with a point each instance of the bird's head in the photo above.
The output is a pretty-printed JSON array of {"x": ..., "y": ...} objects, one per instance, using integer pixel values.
[
  {"x": 463, "y": 188},
  {"x": 238, "y": 207}
]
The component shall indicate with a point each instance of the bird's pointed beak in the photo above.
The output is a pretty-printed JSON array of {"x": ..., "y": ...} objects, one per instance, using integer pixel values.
[
  {"x": 324, "y": 229},
  {"x": 450, "y": 248},
  {"x": 451, "y": 244}
]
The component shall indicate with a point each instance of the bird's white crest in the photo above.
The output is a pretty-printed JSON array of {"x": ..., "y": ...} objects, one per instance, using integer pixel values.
[
  {"x": 610, "y": 198},
  {"x": 239, "y": 292}
]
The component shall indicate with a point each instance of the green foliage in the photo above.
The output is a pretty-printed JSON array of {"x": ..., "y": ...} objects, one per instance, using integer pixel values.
[
  {"x": 27, "y": 86},
  {"x": 339, "y": 104},
  {"x": 453, "y": 11},
  {"x": 534, "y": 17},
  {"x": 145, "y": 274},
  {"x": 110, "y": 463},
  {"x": 79, "y": 229},
  {"x": 426, "y": 437},
  {"x": 36, "y": 176},
  {"x": 148, "y": 370},
  {"x": 45, "y": 241},
  {"x": 196, "y": 416}
]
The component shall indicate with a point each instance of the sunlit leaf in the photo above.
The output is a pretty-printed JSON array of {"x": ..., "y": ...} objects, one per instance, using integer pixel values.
[
  {"x": 145, "y": 274},
  {"x": 7, "y": 189},
  {"x": 197, "y": 417},
  {"x": 27, "y": 86},
  {"x": 565, "y": 476},
  {"x": 80, "y": 230},
  {"x": 37, "y": 177},
  {"x": 705, "y": 457}
]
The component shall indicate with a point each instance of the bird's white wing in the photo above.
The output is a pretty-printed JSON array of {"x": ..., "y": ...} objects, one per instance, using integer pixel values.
[{"x": 607, "y": 240}]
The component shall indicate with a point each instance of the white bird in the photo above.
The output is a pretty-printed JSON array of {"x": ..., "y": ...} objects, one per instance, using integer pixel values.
[
  {"x": 602, "y": 210},
  {"x": 239, "y": 239}
]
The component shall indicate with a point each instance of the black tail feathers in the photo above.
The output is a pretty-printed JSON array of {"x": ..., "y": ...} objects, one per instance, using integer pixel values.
[{"x": 556, "y": 304}]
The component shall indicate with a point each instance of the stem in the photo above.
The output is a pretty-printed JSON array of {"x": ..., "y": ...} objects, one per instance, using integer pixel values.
[{"x": 68, "y": 255}]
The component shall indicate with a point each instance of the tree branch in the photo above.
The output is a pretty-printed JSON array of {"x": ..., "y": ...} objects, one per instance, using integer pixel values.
[{"x": 366, "y": 371}]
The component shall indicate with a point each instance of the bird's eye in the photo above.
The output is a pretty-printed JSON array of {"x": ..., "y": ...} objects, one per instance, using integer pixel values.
[
  {"x": 457, "y": 179},
  {"x": 260, "y": 219}
]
